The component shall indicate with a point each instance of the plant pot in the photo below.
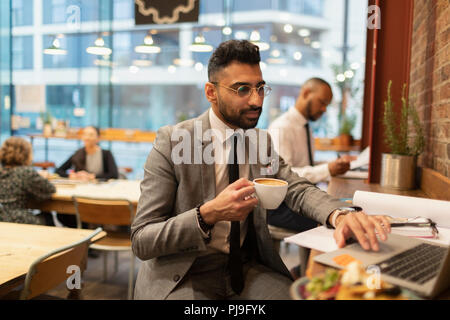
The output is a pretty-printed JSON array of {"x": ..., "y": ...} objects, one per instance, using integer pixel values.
[
  {"x": 47, "y": 132},
  {"x": 345, "y": 140},
  {"x": 398, "y": 172}
]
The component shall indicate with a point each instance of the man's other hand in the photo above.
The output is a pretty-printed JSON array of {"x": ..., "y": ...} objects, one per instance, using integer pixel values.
[
  {"x": 339, "y": 166},
  {"x": 362, "y": 227}
]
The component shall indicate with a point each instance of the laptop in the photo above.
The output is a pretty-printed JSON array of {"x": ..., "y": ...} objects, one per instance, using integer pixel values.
[{"x": 411, "y": 263}]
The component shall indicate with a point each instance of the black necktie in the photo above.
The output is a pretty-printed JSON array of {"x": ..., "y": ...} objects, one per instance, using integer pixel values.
[
  {"x": 234, "y": 259},
  {"x": 308, "y": 137}
]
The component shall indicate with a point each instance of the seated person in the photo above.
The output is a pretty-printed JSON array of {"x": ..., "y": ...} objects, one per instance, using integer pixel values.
[
  {"x": 90, "y": 162},
  {"x": 21, "y": 183},
  {"x": 296, "y": 146}
]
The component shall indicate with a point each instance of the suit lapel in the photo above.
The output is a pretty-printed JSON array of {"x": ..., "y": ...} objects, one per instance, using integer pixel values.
[{"x": 208, "y": 173}]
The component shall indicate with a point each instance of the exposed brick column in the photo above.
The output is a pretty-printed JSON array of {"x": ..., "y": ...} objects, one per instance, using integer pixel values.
[{"x": 430, "y": 79}]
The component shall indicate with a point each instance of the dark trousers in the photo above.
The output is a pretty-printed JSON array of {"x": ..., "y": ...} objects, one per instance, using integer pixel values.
[{"x": 283, "y": 217}]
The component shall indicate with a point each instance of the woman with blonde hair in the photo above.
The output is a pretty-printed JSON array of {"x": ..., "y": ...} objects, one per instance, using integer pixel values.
[{"x": 20, "y": 183}]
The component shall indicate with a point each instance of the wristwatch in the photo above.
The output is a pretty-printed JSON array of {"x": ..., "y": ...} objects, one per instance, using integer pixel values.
[{"x": 343, "y": 211}]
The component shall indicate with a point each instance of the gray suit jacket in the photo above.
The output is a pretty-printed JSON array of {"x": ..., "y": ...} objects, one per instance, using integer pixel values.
[{"x": 165, "y": 233}]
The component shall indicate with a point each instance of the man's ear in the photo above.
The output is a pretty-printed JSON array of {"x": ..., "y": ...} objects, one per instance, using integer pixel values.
[
  {"x": 211, "y": 92},
  {"x": 306, "y": 92}
]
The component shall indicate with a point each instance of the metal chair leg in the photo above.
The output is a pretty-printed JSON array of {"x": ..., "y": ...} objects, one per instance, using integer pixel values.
[
  {"x": 131, "y": 277},
  {"x": 116, "y": 264},
  {"x": 304, "y": 256},
  {"x": 276, "y": 244},
  {"x": 105, "y": 265}
]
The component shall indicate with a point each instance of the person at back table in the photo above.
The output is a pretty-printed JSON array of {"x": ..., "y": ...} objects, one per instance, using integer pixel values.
[
  {"x": 20, "y": 183},
  {"x": 296, "y": 141},
  {"x": 296, "y": 146},
  {"x": 90, "y": 162},
  {"x": 198, "y": 230}
]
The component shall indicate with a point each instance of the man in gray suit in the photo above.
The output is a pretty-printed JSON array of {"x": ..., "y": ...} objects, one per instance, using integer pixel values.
[{"x": 198, "y": 228}]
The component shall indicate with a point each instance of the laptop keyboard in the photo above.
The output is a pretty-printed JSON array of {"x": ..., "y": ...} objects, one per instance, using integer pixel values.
[{"x": 418, "y": 264}]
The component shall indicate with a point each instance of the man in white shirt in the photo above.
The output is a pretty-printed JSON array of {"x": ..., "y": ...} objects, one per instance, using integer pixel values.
[{"x": 296, "y": 147}]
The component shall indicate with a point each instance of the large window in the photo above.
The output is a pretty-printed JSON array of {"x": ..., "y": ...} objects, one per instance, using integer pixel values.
[
  {"x": 58, "y": 11},
  {"x": 22, "y": 13},
  {"x": 5, "y": 69},
  {"x": 135, "y": 90}
]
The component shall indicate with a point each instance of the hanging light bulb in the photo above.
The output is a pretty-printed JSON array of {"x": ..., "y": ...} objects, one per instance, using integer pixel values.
[
  {"x": 200, "y": 44},
  {"x": 55, "y": 48},
  {"x": 99, "y": 48},
  {"x": 275, "y": 57},
  {"x": 148, "y": 46},
  {"x": 304, "y": 32},
  {"x": 255, "y": 38}
]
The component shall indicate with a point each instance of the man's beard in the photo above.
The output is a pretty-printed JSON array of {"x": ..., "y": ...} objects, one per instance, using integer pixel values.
[
  {"x": 311, "y": 117},
  {"x": 238, "y": 119}
]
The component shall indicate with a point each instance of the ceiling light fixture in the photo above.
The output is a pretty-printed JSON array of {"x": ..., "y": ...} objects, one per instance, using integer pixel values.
[
  {"x": 55, "y": 48},
  {"x": 200, "y": 44},
  {"x": 99, "y": 48},
  {"x": 255, "y": 38},
  {"x": 304, "y": 32},
  {"x": 148, "y": 46}
]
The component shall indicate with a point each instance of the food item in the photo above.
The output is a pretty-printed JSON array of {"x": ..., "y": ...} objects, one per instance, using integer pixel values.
[
  {"x": 352, "y": 283},
  {"x": 357, "y": 284},
  {"x": 323, "y": 287}
]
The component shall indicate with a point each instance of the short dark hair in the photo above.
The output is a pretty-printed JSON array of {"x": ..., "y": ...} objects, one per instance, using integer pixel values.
[
  {"x": 242, "y": 51},
  {"x": 318, "y": 81},
  {"x": 97, "y": 129}
]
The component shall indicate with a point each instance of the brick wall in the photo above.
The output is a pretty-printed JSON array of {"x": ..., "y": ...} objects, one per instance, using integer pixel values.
[{"x": 430, "y": 79}]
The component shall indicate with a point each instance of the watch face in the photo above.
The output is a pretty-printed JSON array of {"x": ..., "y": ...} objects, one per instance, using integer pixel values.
[{"x": 353, "y": 209}]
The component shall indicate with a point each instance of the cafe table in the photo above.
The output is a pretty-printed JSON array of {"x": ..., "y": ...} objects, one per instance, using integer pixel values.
[
  {"x": 61, "y": 201},
  {"x": 22, "y": 244},
  {"x": 345, "y": 188}
]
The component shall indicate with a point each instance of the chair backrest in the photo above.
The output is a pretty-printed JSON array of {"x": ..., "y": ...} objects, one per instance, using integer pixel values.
[
  {"x": 119, "y": 212},
  {"x": 49, "y": 270}
]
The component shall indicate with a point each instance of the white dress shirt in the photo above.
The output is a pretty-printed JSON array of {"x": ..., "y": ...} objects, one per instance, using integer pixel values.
[
  {"x": 292, "y": 145},
  {"x": 220, "y": 233}
]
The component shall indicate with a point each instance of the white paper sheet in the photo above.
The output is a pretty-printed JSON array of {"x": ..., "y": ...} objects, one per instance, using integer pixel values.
[
  {"x": 322, "y": 239},
  {"x": 362, "y": 160},
  {"x": 404, "y": 207},
  {"x": 355, "y": 175}
]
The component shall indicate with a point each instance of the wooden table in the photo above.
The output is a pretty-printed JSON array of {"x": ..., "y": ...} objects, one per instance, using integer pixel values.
[
  {"x": 334, "y": 145},
  {"x": 345, "y": 188},
  {"x": 61, "y": 201},
  {"x": 22, "y": 244}
]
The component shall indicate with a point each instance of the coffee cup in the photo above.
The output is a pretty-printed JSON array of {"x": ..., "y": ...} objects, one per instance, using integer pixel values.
[{"x": 270, "y": 192}]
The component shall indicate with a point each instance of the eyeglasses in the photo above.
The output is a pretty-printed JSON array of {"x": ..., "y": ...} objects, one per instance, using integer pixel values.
[{"x": 245, "y": 91}]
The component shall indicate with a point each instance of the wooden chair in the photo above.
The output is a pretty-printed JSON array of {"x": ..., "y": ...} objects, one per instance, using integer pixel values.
[
  {"x": 44, "y": 165},
  {"x": 50, "y": 270},
  {"x": 115, "y": 212},
  {"x": 124, "y": 171}
]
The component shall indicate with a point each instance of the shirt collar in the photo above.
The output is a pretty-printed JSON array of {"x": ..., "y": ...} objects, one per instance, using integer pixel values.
[
  {"x": 217, "y": 124},
  {"x": 297, "y": 116}
]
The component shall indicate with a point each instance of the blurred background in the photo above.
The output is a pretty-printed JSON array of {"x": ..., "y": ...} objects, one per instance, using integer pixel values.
[{"x": 73, "y": 63}]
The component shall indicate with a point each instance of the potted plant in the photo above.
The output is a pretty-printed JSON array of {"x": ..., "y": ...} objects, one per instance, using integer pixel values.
[
  {"x": 47, "y": 120},
  {"x": 345, "y": 131},
  {"x": 405, "y": 142}
]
